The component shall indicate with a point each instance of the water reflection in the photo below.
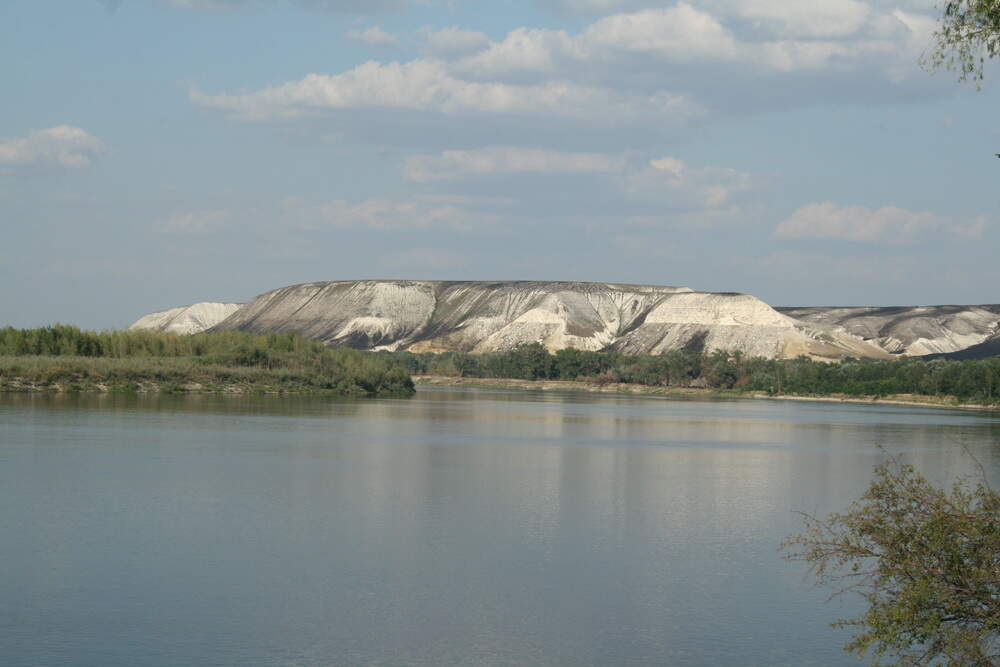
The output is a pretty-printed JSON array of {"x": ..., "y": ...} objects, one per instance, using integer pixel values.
[{"x": 457, "y": 527}]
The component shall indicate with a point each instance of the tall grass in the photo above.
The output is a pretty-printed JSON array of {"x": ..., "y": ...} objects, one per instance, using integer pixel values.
[{"x": 66, "y": 357}]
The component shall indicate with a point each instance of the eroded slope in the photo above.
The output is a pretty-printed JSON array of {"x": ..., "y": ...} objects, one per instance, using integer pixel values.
[
  {"x": 187, "y": 319},
  {"x": 909, "y": 330},
  {"x": 491, "y": 316}
]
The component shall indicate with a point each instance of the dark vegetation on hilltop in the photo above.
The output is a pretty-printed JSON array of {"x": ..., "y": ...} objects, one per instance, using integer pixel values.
[
  {"x": 64, "y": 357},
  {"x": 972, "y": 381}
]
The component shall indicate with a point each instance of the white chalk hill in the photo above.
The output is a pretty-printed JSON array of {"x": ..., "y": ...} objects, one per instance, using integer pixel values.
[
  {"x": 472, "y": 316},
  {"x": 187, "y": 319},
  {"x": 910, "y": 330}
]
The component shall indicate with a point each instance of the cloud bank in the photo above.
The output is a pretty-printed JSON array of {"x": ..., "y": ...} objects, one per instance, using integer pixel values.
[
  {"x": 888, "y": 224},
  {"x": 62, "y": 145}
]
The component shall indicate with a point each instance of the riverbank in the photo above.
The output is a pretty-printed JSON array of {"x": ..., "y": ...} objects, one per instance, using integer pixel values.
[
  {"x": 175, "y": 375},
  {"x": 148, "y": 386},
  {"x": 913, "y": 400},
  {"x": 62, "y": 358}
]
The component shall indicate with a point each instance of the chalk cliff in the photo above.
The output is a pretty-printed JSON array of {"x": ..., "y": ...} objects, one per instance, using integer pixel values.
[
  {"x": 491, "y": 316},
  {"x": 187, "y": 319},
  {"x": 909, "y": 330},
  {"x": 475, "y": 316}
]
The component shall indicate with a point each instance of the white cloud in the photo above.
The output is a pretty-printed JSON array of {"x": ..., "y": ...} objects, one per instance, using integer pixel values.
[
  {"x": 455, "y": 164},
  {"x": 526, "y": 49},
  {"x": 426, "y": 85},
  {"x": 652, "y": 192},
  {"x": 373, "y": 35},
  {"x": 768, "y": 35},
  {"x": 666, "y": 179},
  {"x": 682, "y": 33},
  {"x": 453, "y": 40},
  {"x": 62, "y": 145},
  {"x": 647, "y": 65},
  {"x": 380, "y": 214},
  {"x": 816, "y": 18},
  {"x": 707, "y": 187},
  {"x": 888, "y": 224},
  {"x": 197, "y": 222}
]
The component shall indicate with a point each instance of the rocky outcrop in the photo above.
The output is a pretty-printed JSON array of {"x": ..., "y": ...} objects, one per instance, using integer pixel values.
[
  {"x": 492, "y": 316},
  {"x": 187, "y": 319},
  {"x": 909, "y": 330}
]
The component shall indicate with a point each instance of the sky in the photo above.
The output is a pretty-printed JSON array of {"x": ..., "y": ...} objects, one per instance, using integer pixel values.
[{"x": 157, "y": 153}]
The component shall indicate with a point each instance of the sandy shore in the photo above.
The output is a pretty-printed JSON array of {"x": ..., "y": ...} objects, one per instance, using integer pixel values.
[{"x": 624, "y": 388}]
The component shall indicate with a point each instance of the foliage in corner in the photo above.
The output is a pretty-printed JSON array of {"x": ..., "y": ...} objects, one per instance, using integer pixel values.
[
  {"x": 926, "y": 560},
  {"x": 968, "y": 35}
]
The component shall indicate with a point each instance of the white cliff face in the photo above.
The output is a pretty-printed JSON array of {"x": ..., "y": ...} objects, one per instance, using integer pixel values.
[
  {"x": 471, "y": 316},
  {"x": 909, "y": 331},
  {"x": 735, "y": 322},
  {"x": 366, "y": 314},
  {"x": 187, "y": 319}
]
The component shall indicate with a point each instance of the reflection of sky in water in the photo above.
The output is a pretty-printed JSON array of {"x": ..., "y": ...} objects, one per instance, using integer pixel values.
[{"x": 457, "y": 527}]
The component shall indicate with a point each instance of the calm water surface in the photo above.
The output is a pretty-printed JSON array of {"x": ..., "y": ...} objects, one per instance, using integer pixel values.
[{"x": 460, "y": 527}]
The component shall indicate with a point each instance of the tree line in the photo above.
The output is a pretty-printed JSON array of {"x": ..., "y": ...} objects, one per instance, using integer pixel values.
[
  {"x": 967, "y": 380},
  {"x": 971, "y": 380}
]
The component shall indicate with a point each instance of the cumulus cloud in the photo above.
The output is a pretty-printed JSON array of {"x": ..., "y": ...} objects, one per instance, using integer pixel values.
[
  {"x": 681, "y": 33},
  {"x": 453, "y": 40},
  {"x": 707, "y": 187},
  {"x": 888, "y": 224},
  {"x": 380, "y": 214},
  {"x": 668, "y": 64},
  {"x": 524, "y": 49},
  {"x": 653, "y": 186},
  {"x": 197, "y": 222},
  {"x": 62, "y": 145},
  {"x": 817, "y": 18},
  {"x": 373, "y": 35},
  {"x": 425, "y": 85},
  {"x": 768, "y": 35},
  {"x": 455, "y": 164}
]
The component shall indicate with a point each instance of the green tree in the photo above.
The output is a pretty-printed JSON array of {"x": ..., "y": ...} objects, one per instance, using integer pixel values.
[
  {"x": 968, "y": 35},
  {"x": 926, "y": 560}
]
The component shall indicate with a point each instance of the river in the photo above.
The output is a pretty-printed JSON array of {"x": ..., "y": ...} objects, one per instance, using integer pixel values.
[{"x": 458, "y": 527}]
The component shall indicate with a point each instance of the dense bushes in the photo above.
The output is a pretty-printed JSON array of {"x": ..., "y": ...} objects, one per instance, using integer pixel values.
[
  {"x": 977, "y": 381},
  {"x": 534, "y": 362},
  {"x": 291, "y": 361},
  {"x": 272, "y": 362}
]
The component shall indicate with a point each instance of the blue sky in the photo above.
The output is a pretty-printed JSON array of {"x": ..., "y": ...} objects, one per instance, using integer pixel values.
[{"x": 156, "y": 153}]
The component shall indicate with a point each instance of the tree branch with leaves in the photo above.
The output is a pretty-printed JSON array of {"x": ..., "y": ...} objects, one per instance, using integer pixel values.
[
  {"x": 926, "y": 560},
  {"x": 968, "y": 35}
]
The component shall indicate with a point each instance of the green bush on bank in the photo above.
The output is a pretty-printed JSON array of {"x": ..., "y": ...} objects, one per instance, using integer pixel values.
[{"x": 230, "y": 359}]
